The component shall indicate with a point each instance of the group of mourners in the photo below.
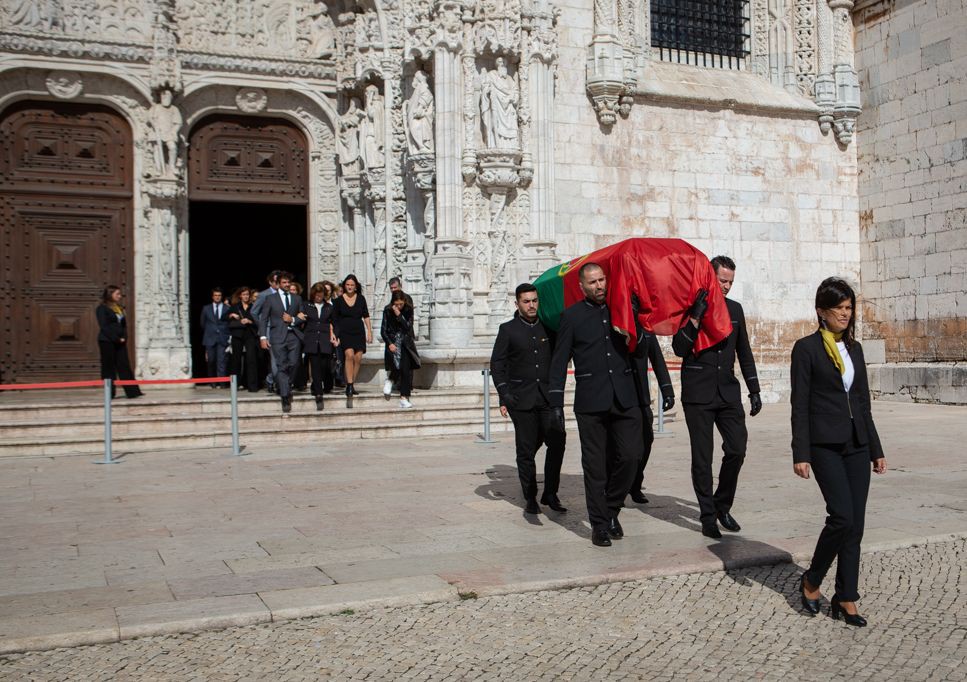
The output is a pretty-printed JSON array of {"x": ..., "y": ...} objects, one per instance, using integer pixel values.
[{"x": 833, "y": 434}]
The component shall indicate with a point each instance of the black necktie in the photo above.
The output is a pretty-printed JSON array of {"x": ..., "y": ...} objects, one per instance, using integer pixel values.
[
  {"x": 218, "y": 311},
  {"x": 286, "y": 302}
]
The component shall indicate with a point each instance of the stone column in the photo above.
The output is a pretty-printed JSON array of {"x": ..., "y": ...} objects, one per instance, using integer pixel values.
[
  {"x": 847, "y": 108},
  {"x": 825, "y": 87},
  {"x": 451, "y": 321}
]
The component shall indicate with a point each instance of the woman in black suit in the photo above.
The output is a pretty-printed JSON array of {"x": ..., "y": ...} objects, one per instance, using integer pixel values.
[
  {"x": 397, "y": 333},
  {"x": 834, "y": 436},
  {"x": 112, "y": 341},
  {"x": 244, "y": 329},
  {"x": 319, "y": 338}
]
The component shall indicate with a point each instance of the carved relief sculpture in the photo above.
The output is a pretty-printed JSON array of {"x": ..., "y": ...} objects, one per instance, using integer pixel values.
[
  {"x": 64, "y": 84},
  {"x": 348, "y": 139},
  {"x": 418, "y": 112},
  {"x": 322, "y": 31},
  {"x": 498, "y": 108},
  {"x": 372, "y": 132},
  {"x": 166, "y": 137}
]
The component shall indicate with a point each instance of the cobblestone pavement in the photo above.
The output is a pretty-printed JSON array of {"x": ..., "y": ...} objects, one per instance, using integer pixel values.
[{"x": 744, "y": 624}]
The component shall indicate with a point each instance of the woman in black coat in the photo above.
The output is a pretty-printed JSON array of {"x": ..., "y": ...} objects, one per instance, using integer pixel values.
[
  {"x": 244, "y": 329},
  {"x": 834, "y": 436},
  {"x": 397, "y": 334},
  {"x": 319, "y": 338},
  {"x": 112, "y": 341}
]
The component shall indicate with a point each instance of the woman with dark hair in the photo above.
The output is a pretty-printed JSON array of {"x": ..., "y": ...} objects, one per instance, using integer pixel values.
[
  {"x": 319, "y": 338},
  {"x": 833, "y": 435},
  {"x": 397, "y": 333},
  {"x": 244, "y": 329},
  {"x": 355, "y": 329},
  {"x": 112, "y": 341}
]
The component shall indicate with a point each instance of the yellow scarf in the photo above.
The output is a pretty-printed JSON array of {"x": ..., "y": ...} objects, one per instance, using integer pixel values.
[
  {"x": 117, "y": 309},
  {"x": 829, "y": 343}
]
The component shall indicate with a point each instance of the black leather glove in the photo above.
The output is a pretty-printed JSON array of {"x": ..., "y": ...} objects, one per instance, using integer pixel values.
[
  {"x": 558, "y": 413},
  {"x": 756, "y": 403},
  {"x": 667, "y": 403},
  {"x": 699, "y": 306}
]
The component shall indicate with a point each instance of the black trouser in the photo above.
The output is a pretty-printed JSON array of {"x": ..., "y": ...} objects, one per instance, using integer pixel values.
[
  {"x": 216, "y": 360},
  {"x": 287, "y": 354},
  {"x": 532, "y": 428},
  {"x": 245, "y": 354},
  {"x": 648, "y": 438},
  {"x": 843, "y": 475},
  {"x": 610, "y": 448},
  {"x": 301, "y": 377},
  {"x": 730, "y": 420},
  {"x": 404, "y": 375},
  {"x": 116, "y": 365},
  {"x": 320, "y": 371}
]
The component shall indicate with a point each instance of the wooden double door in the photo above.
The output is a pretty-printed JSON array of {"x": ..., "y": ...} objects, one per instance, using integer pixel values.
[{"x": 65, "y": 233}]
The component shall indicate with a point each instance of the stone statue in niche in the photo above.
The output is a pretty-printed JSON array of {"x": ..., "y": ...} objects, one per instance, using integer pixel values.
[
  {"x": 371, "y": 130},
  {"x": 323, "y": 33},
  {"x": 348, "y": 140},
  {"x": 498, "y": 107},
  {"x": 419, "y": 113},
  {"x": 165, "y": 123}
]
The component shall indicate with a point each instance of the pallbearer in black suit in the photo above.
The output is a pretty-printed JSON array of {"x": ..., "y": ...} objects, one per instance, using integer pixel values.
[
  {"x": 834, "y": 435},
  {"x": 520, "y": 366},
  {"x": 644, "y": 397},
  {"x": 605, "y": 401},
  {"x": 711, "y": 395}
]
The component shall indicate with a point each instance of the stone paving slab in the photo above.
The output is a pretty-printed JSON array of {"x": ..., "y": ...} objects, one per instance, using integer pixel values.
[{"x": 180, "y": 541}]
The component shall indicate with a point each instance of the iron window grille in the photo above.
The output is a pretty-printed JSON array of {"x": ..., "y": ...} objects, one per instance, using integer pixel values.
[{"x": 712, "y": 33}]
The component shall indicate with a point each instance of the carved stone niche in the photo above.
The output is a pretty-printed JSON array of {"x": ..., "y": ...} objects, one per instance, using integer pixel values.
[
  {"x": 499, "y": 170},
  {"x": 606, "y": 76}
]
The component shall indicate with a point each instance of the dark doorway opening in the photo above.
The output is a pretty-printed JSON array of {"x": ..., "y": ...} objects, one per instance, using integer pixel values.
[{"x": 231, "y": 245}]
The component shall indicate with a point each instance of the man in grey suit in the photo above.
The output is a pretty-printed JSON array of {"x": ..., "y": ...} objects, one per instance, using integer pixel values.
[
  {"x": 215, "y": 335},
  {"x": 271, "y": 290},
  {"x": 280, "y": 329}
]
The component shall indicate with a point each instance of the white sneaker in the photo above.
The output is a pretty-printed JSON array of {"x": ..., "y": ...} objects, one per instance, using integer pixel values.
[
  {"x": 387, "y": 389},
  {"x": 405, "y": 404}
]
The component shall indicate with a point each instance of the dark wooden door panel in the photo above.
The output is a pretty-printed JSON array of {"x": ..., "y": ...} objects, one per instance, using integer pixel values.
[{"x": 66, "y": 233}]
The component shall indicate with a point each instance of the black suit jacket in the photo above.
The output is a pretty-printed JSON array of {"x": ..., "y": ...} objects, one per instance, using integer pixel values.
[
  {"x": 111, "y": 329},
  {"x": 239, "y": 330},
  {"x": 712, "y": 371},
  {"x": 602, "y": 364},
  {"x": 658, "y": 366},
  {"x": 315, "y": 332},
  {"x": 520, "y": 364},
  {"x": 271, "y": 325},
  {"x": 823, "y": 412},
  {"x": 215, "y": 332}
]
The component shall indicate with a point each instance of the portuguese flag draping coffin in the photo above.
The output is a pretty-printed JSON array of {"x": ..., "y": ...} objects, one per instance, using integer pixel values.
[{"x": 665, "y": 274}]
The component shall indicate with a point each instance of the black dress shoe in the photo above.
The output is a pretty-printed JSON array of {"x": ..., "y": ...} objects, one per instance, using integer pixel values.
[
  {"x": 353, "y": 386},
  {"x": 811, "y": 606},
  {"x": 552, "y": 502},
  {"x": 286, "y": 406},
  {"x": 531, "y": 507},
  {"x": 615, "y": 530},
  {"x": 710, "y": 530},
  {"x": 638, "y": 497},
  {"x": 836, "y": 610},
  {"x": 319, "y": 403},
  {"x": 600, "y": 537},
  {"x": 728, "y": 522},
  {"x": 349, "y": 390}
]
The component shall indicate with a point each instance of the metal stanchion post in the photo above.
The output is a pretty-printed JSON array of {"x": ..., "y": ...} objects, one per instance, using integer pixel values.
[
  {"x": 235, "y": 449},
  {"x": 661, "y": 414},
  {"x": 107, "y": 425},
  {"x": 486, "y": 397}
]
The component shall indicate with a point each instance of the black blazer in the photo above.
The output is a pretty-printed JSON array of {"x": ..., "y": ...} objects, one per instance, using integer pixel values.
[
  {"x": 822, "y": 411},
  {"x": 712, "y": 371},
  {"x": 520, "y": 364},
  {"x": 112, "y": 330},
  {"x": 239, "y": 330},
  {"x": 653, "y": 354},
  {"x": 393, "y": 325},
  {"x": 602, "y": 364},
  {"x": 271, "y": 325},
  {"x": 316, "y": 329}
]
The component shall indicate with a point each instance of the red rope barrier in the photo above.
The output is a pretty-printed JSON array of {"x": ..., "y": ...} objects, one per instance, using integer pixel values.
[
  {"x": 59, "y": 384},
  {"x": 120, "y": 382}
]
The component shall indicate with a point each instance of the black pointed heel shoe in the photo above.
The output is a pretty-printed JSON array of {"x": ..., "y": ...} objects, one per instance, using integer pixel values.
[
  {"x": 836, "y": 610},
  {"x": 811, "y": 606}
]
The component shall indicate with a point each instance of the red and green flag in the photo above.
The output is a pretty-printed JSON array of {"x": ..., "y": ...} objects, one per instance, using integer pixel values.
[{"x": 665, "y": 275}]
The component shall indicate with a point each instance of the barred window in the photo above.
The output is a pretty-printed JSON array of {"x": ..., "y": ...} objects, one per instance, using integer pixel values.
[{"x": 710, "y": 33}]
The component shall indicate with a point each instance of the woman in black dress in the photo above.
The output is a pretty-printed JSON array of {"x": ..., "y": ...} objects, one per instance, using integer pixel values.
[
  {"x": 319, "y": 338},
  {"x": 112, "y": 341},
  {"x": 397, "y": 333},
  {"x": 244, "y": 329},
  {"x": 355, "y": 329},
  {"x": 834, "y": 436}
]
